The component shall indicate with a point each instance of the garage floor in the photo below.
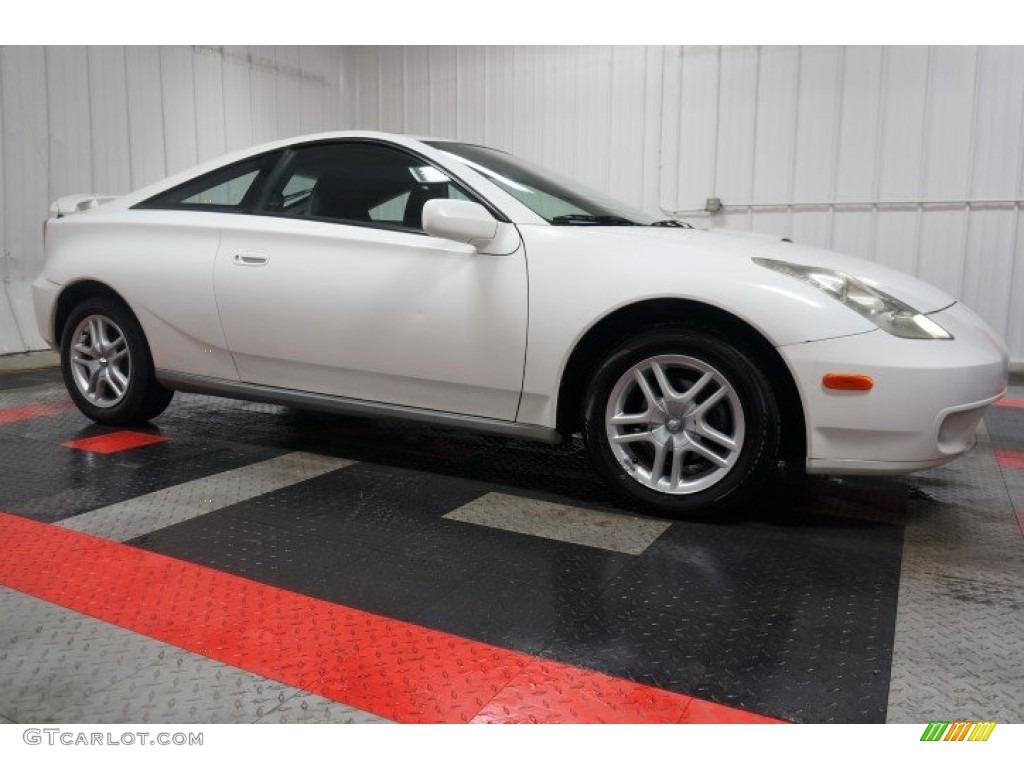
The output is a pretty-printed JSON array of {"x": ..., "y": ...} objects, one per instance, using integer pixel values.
[{"x": 248, "y": 563}]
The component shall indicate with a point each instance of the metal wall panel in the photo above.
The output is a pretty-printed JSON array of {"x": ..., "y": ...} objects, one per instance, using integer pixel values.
[
  {"x": 689, "y": 142},
  {"x": 1014, "y": 314},
  {"x": 10, "y": 338},
  {"x": 820, "y": 71},
  {"x": 109, "y": 119},
  {"x": 147, "y": 146},
  {"x": 654, "y": 74},
  {"x": 499, "y": 68},
  {"x": 737, "y": 127},
  {"x": 26, "y": 186},
  {"x": 554, "y": 95},
  {"x": 263, "y": 85},
  {"x": 859, "y": 116},
  {"x": 626, "y": 126},
  {"x": 70, "y": 134},
  {"x": 177, "y": 87},
  {"x": 236, "y": 71},
  {"x": 287, "y": 90},
  {"x": 311, "y": 107},
  {"x": 778, "y": 92},
  {"x": 392, "y": 91},
  {"x": 470, "y": 99},
  {"x": 364, "y": 73},
  {"x": 210, "y": 130},
  {"x": 911, "y": 156},
  {"x": 442, "y": 75}
]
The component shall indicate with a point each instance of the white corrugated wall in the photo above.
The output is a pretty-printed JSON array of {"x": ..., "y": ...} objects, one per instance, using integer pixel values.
[
  {"x": 112, "y": 119},
  {"x": 910, "y": 156}
]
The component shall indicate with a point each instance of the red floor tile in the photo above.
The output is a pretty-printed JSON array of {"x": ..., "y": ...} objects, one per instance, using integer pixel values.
[
  {"x": 706, "y": 712},
  {"x": 9, "y": 415},
  {"x": 550, "y": 692},
  {"x": 1010, "y": 402},
  {"x": 397, "y": 670},
  {"x": 1010, "y": 459},
  {"x": 114, "y": 442}
]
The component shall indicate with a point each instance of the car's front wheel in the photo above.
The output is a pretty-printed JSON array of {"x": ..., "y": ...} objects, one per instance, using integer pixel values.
[
  {"x": 107, "y": 367},
  {"x": 683, "y": 421}
]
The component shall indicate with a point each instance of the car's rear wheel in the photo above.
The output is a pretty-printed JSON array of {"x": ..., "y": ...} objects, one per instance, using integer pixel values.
[
  {"x": 683, "y": 421},
  {"x": 107, "y": 367}
]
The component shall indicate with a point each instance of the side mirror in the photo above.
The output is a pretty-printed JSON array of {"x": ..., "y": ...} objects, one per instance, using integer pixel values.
[{"x": 459, "y": 220}]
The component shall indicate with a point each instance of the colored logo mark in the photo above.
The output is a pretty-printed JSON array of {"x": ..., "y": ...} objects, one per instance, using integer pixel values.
[{"x": 961, "y": 730}]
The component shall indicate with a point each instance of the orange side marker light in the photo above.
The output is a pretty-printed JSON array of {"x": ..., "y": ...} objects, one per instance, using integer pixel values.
[{"x": 847, "y": 382}]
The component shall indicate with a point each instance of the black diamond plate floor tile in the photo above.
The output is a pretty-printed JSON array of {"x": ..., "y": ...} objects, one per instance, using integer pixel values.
[
  {"x": 802, "y": 614},
  {"x": 1006, "y": 428},
  {"x": 24, "y": 379},
  {"x": 788, "y": 610},
  {"x": 49, "y": 482}
]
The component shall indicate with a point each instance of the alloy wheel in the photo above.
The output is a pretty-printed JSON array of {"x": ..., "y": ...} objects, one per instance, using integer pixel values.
[
  {"x": 675, "y": 424},
  {"x": 101, "y": 364}
]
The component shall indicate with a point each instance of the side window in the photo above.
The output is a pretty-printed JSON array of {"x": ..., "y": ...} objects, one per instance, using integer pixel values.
[
  {"x": 356, "y": 182},
  {"x": 230, "y": 192},
  {"x": 392, "y": 210},
  {"x": 297, "y": 190},
  {"x": 227, "y": 188}
]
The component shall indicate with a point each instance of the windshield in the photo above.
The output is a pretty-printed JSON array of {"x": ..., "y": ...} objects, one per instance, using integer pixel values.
[{"x": 554, "y": 198}]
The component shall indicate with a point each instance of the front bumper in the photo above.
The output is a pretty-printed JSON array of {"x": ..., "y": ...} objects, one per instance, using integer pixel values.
[{"x": 924, "y": 408}]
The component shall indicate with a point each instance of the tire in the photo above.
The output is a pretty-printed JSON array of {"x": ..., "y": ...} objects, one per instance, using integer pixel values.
[
  {"x": 107, "y": 367},
  {"x": 681, "y": 395}
]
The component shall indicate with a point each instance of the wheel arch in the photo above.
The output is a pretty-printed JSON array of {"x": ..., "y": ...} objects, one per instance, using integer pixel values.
[
  {"x": 144, "y": 397},
  {"x": 627, "y": 321},
  {"x": 77, "y": 292}
]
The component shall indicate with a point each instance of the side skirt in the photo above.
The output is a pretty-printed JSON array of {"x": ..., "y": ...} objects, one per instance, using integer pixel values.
[{"x": 184, "y": 382}]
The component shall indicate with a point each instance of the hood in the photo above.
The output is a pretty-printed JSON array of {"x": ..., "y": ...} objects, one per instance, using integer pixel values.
[{"x": 731, "y": 244}]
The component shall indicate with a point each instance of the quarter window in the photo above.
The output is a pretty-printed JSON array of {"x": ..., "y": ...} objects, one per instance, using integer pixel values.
[
  {"x": 229, "y": 192},
  {"x": 229, "y": 188}
]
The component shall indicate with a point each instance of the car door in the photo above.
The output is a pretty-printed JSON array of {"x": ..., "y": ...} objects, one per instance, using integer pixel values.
[
  {"x": 335, "y": 289},
  {"x": 172, "y": 240}
]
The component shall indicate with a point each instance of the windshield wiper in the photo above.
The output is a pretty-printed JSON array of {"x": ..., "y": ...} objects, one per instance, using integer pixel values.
[
  {"x": 593, "y": 219},
  {"x": 672, "y": 223}
]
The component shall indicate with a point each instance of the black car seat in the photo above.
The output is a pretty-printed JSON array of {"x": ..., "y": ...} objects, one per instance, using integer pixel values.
[{"x": 336, "y": 196}]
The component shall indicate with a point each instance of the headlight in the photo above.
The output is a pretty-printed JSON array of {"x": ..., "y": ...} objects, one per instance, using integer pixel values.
[{"x": 889, "y": 314}]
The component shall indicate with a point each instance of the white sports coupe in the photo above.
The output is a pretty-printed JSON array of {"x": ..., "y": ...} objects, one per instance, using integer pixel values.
[{"x": 450, "y": 283}]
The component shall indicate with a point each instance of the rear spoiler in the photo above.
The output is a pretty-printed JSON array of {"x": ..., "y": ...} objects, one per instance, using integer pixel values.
[{"x": 64, "y": 206}]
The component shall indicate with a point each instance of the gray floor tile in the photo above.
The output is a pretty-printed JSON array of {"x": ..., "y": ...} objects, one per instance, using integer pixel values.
[
  {"x": 60, "y": 666},
  {"x": 169, "y": 506},
  {"x": 960, "y": 621},
  {"x": 590, "y": 528},
  {"x": 306, "y": 707}
]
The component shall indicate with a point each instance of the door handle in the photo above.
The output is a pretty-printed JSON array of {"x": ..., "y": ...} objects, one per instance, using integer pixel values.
[{"x": 251, "y": 259}]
